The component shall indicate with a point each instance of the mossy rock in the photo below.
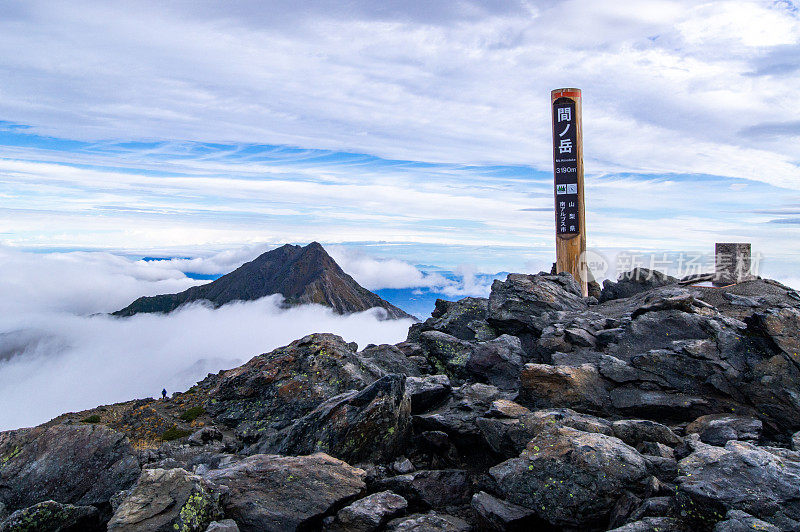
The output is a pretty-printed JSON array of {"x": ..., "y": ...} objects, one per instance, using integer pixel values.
[
  {"x": 50, "y": 515},
  {"x": 174, "y": 433},
  {"x": 193, "y": 413}
]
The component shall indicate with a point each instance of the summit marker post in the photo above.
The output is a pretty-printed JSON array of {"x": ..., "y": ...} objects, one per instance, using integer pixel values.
[{"x": 568, "y": 178}]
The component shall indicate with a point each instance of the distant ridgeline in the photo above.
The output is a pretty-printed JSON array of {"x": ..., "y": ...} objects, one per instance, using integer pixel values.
[{"x": 301, "y": 275}]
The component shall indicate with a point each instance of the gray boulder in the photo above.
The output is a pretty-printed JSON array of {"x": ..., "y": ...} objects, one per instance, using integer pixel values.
[
  {"x": 580, "y": 337},
  {"x": 505, "y": 408},
  {"x": 572, "y": 478},
  {"x": 738, "y": 521},
  {"x": 652, "y": 524},
  {"x": 676, "y": 358},
  {"x": 662, "y": 467},
  {"x": 717, "y": 429},
  {"x": 637, "y": 431},
  {"x": 633, "y": 282},
  {"x": 517, "y": 304},
  {"x": 465, "y": 319},
  {"x": 273, "y": 390},
  {"x": 660, "y": 404},
  {"x": 657, "y": 320},
  {"x": 165, "y": 500},
  {"x": 577, "y": 387},
  {"x": 226, "y": 525},
  {"x": 436, "y": 488},
  {"x": 553, "y": 417},
  {"x": 456, "y": 417},
  {"x": 656, "y": 449},
  {"x": 270, "y": 492},
  {"x": 370, "y": 513},
  {"x": 500, "y": 515},
  {"x": 654, "y": 507},
  {"x": 51, "y": 516},
  {"x": 623, "y": 509},
  {"x": 403, "y": 466},
  {"x": 509, "y": 435},
  {"x": 447, "y": 354},
  {"x": 430, "y": 522},
  {"x": 675, "y": 299},
  {"x": 389, "y": 358},
  {"x": 359, "y": 426},
  {"x": 427, "y": 392},
  {"x": 204, "y": 436},
  {"x": 70, "y": 464},
  {"x": 497, "y": 362},
  {"x": 762, "y": 481},
  {"x": 783, "y": 327}
]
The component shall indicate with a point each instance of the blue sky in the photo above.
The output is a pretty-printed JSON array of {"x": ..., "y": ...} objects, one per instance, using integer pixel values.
[{"x": 415, "y": 131}]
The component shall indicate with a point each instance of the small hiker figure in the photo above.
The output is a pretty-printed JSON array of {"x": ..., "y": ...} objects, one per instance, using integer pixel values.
[{"x": 164, "y": 393}]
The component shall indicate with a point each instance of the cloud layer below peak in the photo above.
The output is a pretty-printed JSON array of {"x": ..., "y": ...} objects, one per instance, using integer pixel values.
[{"x": 60, "y": 352}]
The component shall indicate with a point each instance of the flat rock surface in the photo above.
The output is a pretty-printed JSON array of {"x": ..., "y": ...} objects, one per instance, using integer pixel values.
[
  {"x": 165, "y": 500},
  {"x": 570, "y": 477},
  {"x": 762, "y": 481},
  {"x": 71, "y": 464},
  {"x": 271, "y": 492},
  {"x": 430, "y": 522},
  {"x": 51, "y": 516}
]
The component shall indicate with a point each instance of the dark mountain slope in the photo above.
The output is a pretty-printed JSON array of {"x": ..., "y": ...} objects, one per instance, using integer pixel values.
[{"x": 301, "y": 274}]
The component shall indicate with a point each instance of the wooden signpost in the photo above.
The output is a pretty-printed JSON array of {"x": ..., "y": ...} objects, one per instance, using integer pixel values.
[{"x": 568, "y": 177}]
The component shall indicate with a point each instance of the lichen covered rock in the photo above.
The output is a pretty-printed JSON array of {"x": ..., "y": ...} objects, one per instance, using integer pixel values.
[
  {"x": 762, "y": 481},
  {"x": 51, "y": 516},
  {"x": 71, "y": 464},
  {"x": 571, "y": 478},
  {"x": 168, "y": 500},
  {"x": 271, "y": 492},
  {"x": 274, "y": 389},
  {"x": 368, "y": 425}
]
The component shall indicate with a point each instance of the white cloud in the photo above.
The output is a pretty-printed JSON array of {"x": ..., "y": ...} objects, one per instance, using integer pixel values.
[
  {"x": 471, "y": 285},
  {"x": 218, "y": 263},
  {"x": 79, "y": 282},
  {"x": 374, "y": 273},
  {"x": 668, "y": 85},
  {"x": 751, "y": 24},
  {"x": 62, "y": 362},
  {"x": 55, "y": 358}
]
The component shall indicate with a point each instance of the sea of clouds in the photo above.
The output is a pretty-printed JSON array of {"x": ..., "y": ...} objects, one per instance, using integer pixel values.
[{"x": 61, "y": 352}]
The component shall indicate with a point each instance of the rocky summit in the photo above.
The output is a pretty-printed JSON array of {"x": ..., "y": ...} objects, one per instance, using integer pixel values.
[
  {"x": 302, "y": 275},
  {"x": 654, "y": 407}
]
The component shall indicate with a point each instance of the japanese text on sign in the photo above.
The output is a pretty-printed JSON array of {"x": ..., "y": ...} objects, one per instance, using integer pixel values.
[{"x": 565, "y": 159}]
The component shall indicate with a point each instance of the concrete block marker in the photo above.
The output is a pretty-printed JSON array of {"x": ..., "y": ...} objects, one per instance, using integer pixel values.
[{"x": 732, "y": 263}]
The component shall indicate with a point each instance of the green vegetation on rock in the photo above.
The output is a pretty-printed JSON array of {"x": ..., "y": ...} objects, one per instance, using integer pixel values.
[
  {"x": 174, "y": 433},
  {"x": 193, "y": 413}
]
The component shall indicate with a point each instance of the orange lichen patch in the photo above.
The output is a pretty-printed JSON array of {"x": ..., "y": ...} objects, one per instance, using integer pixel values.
[
  {"x": 290, "y": 389},
  {"x": 144, "y": 421}
]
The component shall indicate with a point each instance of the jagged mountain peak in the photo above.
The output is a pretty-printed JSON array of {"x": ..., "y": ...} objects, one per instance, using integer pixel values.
[{"x": 301, "y": 274}]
